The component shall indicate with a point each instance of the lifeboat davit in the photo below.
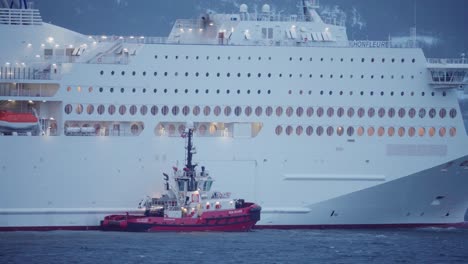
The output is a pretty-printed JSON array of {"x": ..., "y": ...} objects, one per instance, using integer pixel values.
[{"x": 11, "y": 121}]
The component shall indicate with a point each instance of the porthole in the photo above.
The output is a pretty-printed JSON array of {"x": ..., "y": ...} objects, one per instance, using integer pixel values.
[
  {"x": 350, "y": 131},
  {"x": 143, "y": 110},
  {"x": 381, "y": 131},
  {"x": 422, "y": 113},
  {"x": 112, "y": 72},
  {"x": 289, "y": 111},
  {"x": 432, "y": 113},
  {"x": 111, "y": 109},
  {"x": 453, "y": 113},
  {"x": 154, "y": 110},
  {"x": 175, "y": 110},
  {"x": 381, "y": 112},
  {"x": 299, "y": 130},
  {"x": 155, "y": 90},
  {"x": 101, "y": 109},
  {"x": 412, "y": 113},
  {"x": 217, "y": 111},
  {"x": 279, "y": 130},
  {"x": 186, "y": 110},
  {"x": 411, "y": 132},
  {"x": 79, "y": 109},
  {"x": 196, "y": 110},
  {"x": 442, "y": 113},
  {"x": 340, "y": 112},
  {"x": 442, "y": 132},
  {"x": 360, "y": 131},
  {"x": 227, "y": 111},
  {"x": 133, "y": 110},
  {"x": 122, "y": 110},
  {"x": 330, "y": 112},
  {"x": 171, "y": 129},
  {"x": 90, "y": 89},
  {"x": 319, "y": 131},
  {"x": 238, "y": 110},
  {"x": 453, "y": 132},
  {"x": 289, "y": 130},
  {"x": 144, "y": 73},
  {"x": 258, "y": 111},
  {"x": 181, "y": 129},
  {"x": 134, "y": 129},
  {"x": 207, "y": 110},
  {"x": 248, "y": 111},
  {"x": 111, "y": 90},
  {"x": 309, "y": 131},
  {"x": 421, "y": 131},
  {"x": 361, "y": 112},
  {"x": 122, "y": 90},
  {"x": 90, "y": 109},
  {"x": 101, "y": 89},
  {"x": 370, "y": 131},
  {"x": 351, "y": 112},
  {"x": 310, "y": 111},
  {"x": 102, "y": 72},
  {"x": 391, "y": 112},
  {"x": 165, "y": 110},
  {"x": 432, "y": 132},
  {"x": 401, "y": 131},
  {"x": 340, "y": 131},
  {"x": 402, "y": 112},
  {"x": 371, "y": 112},
  {"x": 299, "y": 111},
  {"x": 269, "y": 111},
  {"x": 68, "y": 109},
  {"x": 133, "y": 90},
  {"x": 279, "y": 111},
  {"x": 218, "y": 74},
  {"x": 320, "y": 112},
  {"x": 122, "y": 73}
]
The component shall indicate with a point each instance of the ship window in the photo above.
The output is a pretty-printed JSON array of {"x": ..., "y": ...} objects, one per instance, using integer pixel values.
[
  {"x": 391, "y": 112},
  {"x": 432, "y": 113},
  {"x": 361, "y": 112},
  {"x": 330, "y": 111},
  {"x": 422, "y": 113},
  {"x": 143, "y": 110},
  {"x": 442, "y": 132},
  {"x": 171, "y": 129},
  {"x": 101, "y": 89},
  {"x": 381, "y": 112},
  {"x": 402, "y": 112},
  {"x": 381, "y": 131},
  {"x": 122, "y": 109},
  {"x": 371, "y": 112},
  {"x": 442, "y": 113},
  {"x": 135, "y": 129},
  {"x": 154, "y": 110},
  {"x": 310, "y": 111},
  {"x": 299, "y": 111},
  {"x": 279, "y": 130},
  {"x": 413, "y": 60},
  {"x": 68, "y": 109},
  {"x": 217, "y": 111},
  {"x": 238, "y": 110},
  {"x": 351, "y": 112},
  {"x": 102, "y": 72},
  {"x": 453, "y": 113},
  {"x": 155, "y": 73},
  {"x": 279, "y": 111},
  {"x": 181, "y": 129},
  {"x": 299, "y": 130},
  {"x": 122, "y": 90},
  {"x": 175, "y": 110},
  {"x": 123, "y": 73},
  {"x": 320, "y": 112},
  {"x": 370, "y": 131},
  {"x": 258, "y": 111},
  {"x": 90, "y": 109},
  {"x": 412, "y": 113},
  {"x": 401, "y": 131},
  {"x": 133, "y": 90},
  {"x": 101, "y": 109},
  {"x": 206, "y": 110},
  {"x": 133, "y": 110},
  {"x": 248, "y": 111},
  {"x": 196, "y": 110},
  {"x": 185, "y": 110},
  {"x": 112, "y": 72},
  {"x": 227, "y": 111},
  {"x": 319, "y": 131},
  {"x": 422, "y": 131},
  {"x": 269, "y": 111},
  {"x": 402, "y": 60},
  {"x": 453, "y": 131},
  {"x": 165, "y": 110},
  {"x": 432, "y": 132},
  {"x": 176, "y": 91},
  {"x": 412, "y": 131},
  {"x": 339, "y": 131},
  {"x": 111, "y": 109},
  {"x": 350, "y": 131},
  {"x": 309, "y": 130},
  {"x": 79, "y": 109},
  {"x": 289, "y": 111},
  {"x": 360, "y": 131},
  {"x": 144, "y": 73},
  {"x": 289, "y": 130}
]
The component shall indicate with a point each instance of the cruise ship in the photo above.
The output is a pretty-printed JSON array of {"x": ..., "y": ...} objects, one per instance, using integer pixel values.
[{"x": 321, "y": 131}]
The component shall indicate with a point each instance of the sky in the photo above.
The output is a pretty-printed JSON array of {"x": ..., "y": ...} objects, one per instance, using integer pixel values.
[{"x": 442, "y": 24}]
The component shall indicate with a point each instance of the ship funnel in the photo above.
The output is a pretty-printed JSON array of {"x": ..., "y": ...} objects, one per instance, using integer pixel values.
[{"x": 244, "y": 8}]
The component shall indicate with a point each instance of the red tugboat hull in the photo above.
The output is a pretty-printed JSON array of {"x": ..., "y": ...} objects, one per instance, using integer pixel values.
[{"x": 235, "y": 220}]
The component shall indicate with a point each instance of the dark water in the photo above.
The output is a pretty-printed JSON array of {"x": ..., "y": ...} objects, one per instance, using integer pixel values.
[{"x": 260, "y": 246}]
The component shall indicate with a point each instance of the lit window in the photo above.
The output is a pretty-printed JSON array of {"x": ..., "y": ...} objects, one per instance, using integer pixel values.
[
  {"x": 401, "y": 131},
  {"x": 175, "y": 110},
  {"x": 350, "y": 131},
  {"x": 154, "y": 110},
  {"x": 68, "y": 109},
  {"x": 217, "y": 111},
  {"x": 381, "y": 131},
  {"x": 78, "y": 89},
  {"x": 310, "y": 111},
  {"x": 289, "y": 130},
  {"x": 133, "y": 109},
  {"x": 319, "y": 131},
  {"x": 279, "y": 111},
  {"x": 299, "y": 111},
  {"x": 442, "y": 113},
  {"x": 360, "y": 131},
  {"x": 206, "y": 110},
  {"x": 412, "y": 132},
  {"x": 79, "y": 109},
  {"x": 442, "y": 132},
  {"x": 196, "y": 111},
  {"x": 320, "y": 112},
  {"x": 269, "y": 111},
  {"x": 309, "y": 130},
  {"x": 101, "y": 109},
  {"x": 238, "y": 110},
  {"x": 213, "y": 129},
  {"x": 134, "y": 129},
  {"x": 371, "y": 112},
  {"x": 165, "y": 110},
  {"x": 90, "y": 109},
  {"x": 422, "y": 131},
  {"x": 248, "y": 111},
  {"x": 339, "y": 131},
  {"x": 227, "y": 111},
  {"x": 370, "y": 131},
  {"x": 299, "y": 130},
  {"x": 289, "y": 111},
  {"x": 258, "y": 111},
  {"x": 171, "y": 129},
  {"x": 279, "y": 130},
  {"x": 453, "y": 132},
  {"x": 122, "y": 109},
  {"x": 432, "y": 131},
  {"x": 391, "y": 131},
  {"x": 143, "y": 110},
  {"x": 202, "y": 129},
  {"x": 111, "y": 109}
]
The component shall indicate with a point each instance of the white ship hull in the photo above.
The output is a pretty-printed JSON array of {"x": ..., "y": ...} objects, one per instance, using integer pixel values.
[{"x": 90, "y": 161}]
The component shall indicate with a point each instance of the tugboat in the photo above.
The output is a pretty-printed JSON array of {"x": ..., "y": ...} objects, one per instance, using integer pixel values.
[{"x": 188, "y": 205}]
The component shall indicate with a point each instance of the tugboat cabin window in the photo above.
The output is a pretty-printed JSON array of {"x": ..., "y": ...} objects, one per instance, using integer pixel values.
[{"x": 207, "y": 185}]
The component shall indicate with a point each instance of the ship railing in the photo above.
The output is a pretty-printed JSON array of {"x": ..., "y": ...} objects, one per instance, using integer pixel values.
[
  {"x": 447, "y": 61},
  {"x": 20, "y": 17},
  {"x": 130, "y": 39},
  {"x": 25, "y": 73}
]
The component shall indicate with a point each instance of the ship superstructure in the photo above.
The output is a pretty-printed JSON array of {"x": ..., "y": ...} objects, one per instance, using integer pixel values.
[{"x": 315, "y": 128}]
